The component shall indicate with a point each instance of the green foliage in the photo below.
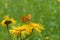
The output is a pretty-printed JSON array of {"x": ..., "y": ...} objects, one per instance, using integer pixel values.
[{"x": 46, "y": 12}]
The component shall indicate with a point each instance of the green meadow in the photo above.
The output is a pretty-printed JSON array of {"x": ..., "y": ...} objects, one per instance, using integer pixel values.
[{"x": 45, "y": 12}]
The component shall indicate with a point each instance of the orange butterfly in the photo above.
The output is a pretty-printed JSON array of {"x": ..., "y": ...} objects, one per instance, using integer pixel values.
[{"x": 27, "y": 18}]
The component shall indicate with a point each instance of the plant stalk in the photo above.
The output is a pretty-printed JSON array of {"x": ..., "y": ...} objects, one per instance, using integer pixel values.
[{"x": 8, "y": 33}]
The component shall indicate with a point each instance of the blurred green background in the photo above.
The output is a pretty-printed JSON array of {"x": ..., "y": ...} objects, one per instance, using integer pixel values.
[{"x": 46, "y": 12}]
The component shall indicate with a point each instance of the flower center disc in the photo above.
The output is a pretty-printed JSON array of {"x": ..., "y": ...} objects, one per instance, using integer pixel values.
[{"x": 7, "y": 22}]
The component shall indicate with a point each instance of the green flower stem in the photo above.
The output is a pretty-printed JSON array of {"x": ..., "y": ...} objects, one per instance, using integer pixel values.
[
  {"x": 21, "y": 38},
  {"x": 17, "y": 37},
  {"x": 8, "y": 33}
]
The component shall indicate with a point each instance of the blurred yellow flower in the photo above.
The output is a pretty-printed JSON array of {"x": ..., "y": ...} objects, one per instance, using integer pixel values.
[
  {"x": 46, "y": 38},
  {"x": 58, "y": 0},
  {"x": 20, "y": 28},
  {"x": 27, "y": 29},
  {"x": 7, "y": 21},
  {"x": 14, "y": 32},
  {"x": 24, "y": 29},
  {"x": 36, "y": 26},
  {"x": 26, "y": 32}
]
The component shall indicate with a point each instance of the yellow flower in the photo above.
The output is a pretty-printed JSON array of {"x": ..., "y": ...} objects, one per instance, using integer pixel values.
[
  {"x": 58, "y": 0},
  {"x": 22, "y": 28},
  {"x": 46, "y": 38},
  {"x": 7, "y": 21},
  {"x": 3, "y": 22},
  {"x": 12, "y": 21},
  {"x": 36, "y": 26},
  {"x": 28, "y": 31},
  {"x": 14, "y": 32},
  {"x": 25, "y": 29}
]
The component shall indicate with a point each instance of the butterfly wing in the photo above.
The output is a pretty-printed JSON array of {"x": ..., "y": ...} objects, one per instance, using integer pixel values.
[
  {"x": 28, "y": 16},
  {"x": 24, "y": 19}
]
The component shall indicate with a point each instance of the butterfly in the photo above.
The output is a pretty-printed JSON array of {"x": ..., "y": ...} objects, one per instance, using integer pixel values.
[{"x": 26, "y": 18}]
